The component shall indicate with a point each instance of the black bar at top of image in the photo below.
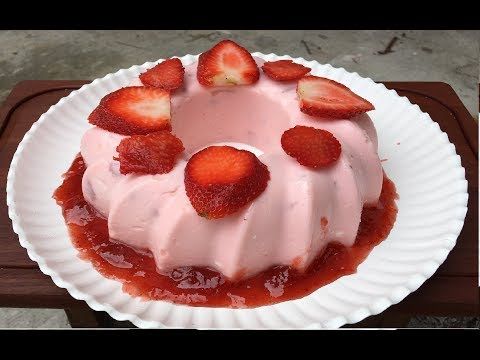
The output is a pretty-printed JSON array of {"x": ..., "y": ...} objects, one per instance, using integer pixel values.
[{"x": 238, "y": 15}]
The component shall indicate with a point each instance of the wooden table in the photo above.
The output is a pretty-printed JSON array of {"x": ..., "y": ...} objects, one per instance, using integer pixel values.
[{"x": 451, "y": 291}]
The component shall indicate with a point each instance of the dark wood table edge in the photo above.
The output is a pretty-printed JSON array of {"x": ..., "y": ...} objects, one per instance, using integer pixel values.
[
  {"x": 79, "y": 313},
  {"x": 11, "y": 103},
  {"x": 469, "y": 129}
]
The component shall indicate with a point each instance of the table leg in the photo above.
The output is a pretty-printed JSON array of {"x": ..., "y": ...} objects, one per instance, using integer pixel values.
[
  {"x": 84, "y": 317},
  {"x": 397, "y": 321},
  {"x": 387, "y": 319}
]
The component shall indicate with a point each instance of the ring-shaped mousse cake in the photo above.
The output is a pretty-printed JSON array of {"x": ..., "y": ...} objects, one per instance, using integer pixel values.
[{"x": 221, "y": 166}]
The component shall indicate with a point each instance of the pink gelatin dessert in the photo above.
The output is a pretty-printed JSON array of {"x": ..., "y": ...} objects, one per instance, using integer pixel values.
[
  {"x": 282, "y": 226},
  {"x": 232, "y": 164}
]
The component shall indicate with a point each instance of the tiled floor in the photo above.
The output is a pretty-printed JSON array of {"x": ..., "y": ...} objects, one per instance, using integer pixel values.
[
  {"x": 444, "y": 322},
  {"x": 33, "y": 318},
  {"x": 449, "y": 56}
]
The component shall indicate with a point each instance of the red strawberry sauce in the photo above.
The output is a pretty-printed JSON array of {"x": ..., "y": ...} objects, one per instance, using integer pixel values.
[{"x": 203, "y": 286}]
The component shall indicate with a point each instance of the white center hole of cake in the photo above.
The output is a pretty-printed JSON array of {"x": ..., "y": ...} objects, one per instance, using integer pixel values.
[{"x": 236, "y": 116}]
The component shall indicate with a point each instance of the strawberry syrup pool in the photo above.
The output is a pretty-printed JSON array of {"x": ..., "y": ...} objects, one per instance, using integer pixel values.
[{"x": 196, "y": 286}]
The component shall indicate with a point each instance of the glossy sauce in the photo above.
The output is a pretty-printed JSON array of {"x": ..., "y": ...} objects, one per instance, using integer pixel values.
[{"x": 204, "y": 286}]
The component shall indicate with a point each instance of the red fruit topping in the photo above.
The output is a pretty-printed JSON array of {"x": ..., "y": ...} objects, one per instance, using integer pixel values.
[
  {"x": 219, "y": 180},
  {"x": 167, "y": 75},
  {"x": 311, "y": 147},
  {"x": 284, "y": 70},
  {"x": 227, "y": 63},
  {"x": 154, "y": 153},
  {"x": 329, "y": 99},
  {"x": 134, "y": 110}
]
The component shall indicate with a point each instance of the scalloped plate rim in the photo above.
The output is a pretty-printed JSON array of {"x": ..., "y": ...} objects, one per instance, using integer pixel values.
[{"x": 338, "y": 321}]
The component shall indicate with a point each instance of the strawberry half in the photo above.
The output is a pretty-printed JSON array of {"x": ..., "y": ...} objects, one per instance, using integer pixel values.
[
  {"x": 329, "y": 99},
  {"x": 311, "y": 147},
  {"x": 133, "y": 110},
  {"x": 284, "y": 70},
  {"x": 220, "y": 180},
  {"x": 154, "y": 153},
  {"x": 227, "y": 63},
  {"x": 167, "y": 75}
]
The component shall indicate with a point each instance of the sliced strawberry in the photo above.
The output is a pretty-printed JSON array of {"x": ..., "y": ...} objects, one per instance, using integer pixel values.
[
  {"x": 311, "y": 147},
  {"x": 133, "y": 110},
  {"x": 220, "y": 180},
  {"x": 284, "y": 70},
  {"x": 154, "y": 153},
  {"x": 227, "y": 63},
  {"x": 167, "y": 75},
  {"x": 328, "y": 99}
]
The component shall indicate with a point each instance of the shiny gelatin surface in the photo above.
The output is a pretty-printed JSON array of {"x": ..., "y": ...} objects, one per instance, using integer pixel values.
[{"x": 206, "y": 287}]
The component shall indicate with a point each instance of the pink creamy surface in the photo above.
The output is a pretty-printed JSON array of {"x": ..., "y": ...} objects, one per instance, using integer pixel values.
[{"x": 282, "y": 226}]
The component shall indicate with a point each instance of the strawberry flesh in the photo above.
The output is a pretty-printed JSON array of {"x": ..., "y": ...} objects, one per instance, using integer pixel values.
[
  {"x": 134, "y": 110},
  {"x": 284, "y": 70},
  {"x": 154, "y": 153},
  {"x": 326, "y": 98},
  {"x": 314, "y": 148},
  {"x": 220, "y": 180},
  {"x": 167, "y": 75},
  {"x": 226, "y": 64}
]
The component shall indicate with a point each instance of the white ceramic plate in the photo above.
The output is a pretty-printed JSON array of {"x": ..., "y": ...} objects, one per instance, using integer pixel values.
[{"x": 424, "y": 166}]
